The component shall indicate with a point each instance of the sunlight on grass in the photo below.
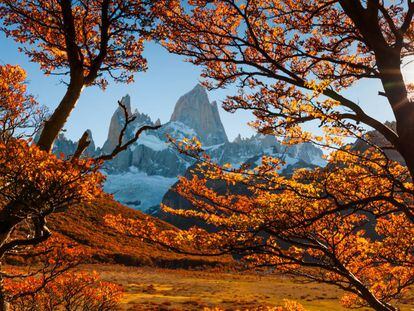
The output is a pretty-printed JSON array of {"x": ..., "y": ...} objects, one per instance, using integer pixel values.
[{"x": 162, "y": 289}]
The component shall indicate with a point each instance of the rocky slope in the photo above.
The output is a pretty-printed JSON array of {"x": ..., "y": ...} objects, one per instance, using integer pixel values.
[{"x": 140, "y": 176}]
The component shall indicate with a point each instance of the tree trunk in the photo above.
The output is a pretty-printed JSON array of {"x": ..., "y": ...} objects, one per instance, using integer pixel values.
[
  {"x": 403, "y": 109},
  {"x": 7, "y": 223},
  {"x": 374, "y": 302},
  {"x": 407, "y": 151},
  {"x": 4, "y": 305},
  {"x": 54, "y": 125},
  {"x": 364, "y": 291},
  {"x": 404, "y": 115}
]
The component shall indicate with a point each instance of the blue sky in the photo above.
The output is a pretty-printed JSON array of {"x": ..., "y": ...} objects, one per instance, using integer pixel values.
[{"x": 155, "y": 93}]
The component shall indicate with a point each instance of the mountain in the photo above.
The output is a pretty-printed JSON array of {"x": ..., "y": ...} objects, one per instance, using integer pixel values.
[
  {"x": 241, "y": 151},
  {"x": 140, "y": 176},
  {"x": 68, "y": 147},
  {"x": 195, "y": 110},
  {"x": 250, "y": 150},
  {"x": 118, "y": 121}
]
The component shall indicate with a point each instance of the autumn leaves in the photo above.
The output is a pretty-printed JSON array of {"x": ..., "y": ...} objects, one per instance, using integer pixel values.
[{"x": 350, "y": 223}]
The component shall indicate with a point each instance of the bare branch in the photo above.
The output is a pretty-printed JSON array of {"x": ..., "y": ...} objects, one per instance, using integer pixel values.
[{"x": 123, "y": 146}]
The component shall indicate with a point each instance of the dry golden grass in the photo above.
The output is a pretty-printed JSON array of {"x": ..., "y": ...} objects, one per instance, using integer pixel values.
[{"x": 162, "y": 289}]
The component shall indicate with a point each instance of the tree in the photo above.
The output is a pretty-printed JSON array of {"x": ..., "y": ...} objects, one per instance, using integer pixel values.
[
  {"x": 35, "y": 183},
  {"x": 88, "y": 41},
  {"x": 48, "y": 282},
  {"x": 350, "y": 223},
  {"x": 347, "y": 224},
  {"x": 85, "y": 40},
  {"x": 282, "y": 50}
]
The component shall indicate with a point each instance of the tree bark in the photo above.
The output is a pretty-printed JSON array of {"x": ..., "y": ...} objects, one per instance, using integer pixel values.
[
  {"x": 7, "y": 222},
  {"x": 407, "y": 149},
  {"x": 373, "y": 301},
  {"x": 389, "y": 65},
  {"x": 403, "y": 108},
  {"x": 4, "y": 305},
  {"x": 55, "y": 123}
]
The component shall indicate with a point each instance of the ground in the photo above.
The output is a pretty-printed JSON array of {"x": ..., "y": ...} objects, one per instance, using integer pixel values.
[{"x": 163, "y": 289}]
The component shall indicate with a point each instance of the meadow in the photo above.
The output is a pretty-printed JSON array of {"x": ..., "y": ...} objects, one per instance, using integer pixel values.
[{"x": 164, "y": 289}]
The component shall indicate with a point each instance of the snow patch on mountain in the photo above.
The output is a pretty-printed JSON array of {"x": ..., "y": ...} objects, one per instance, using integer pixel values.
[
  {"x": 179, "y": 130},
  {"x": 137, "y": 189},
  {"x": 151, "y": 141}
]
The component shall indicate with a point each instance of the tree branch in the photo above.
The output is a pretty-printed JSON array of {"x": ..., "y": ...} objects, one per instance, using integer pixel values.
[
  {"x": 42, "y": 233},
  {"x": 83, "y": 144},
  {"x": 123, "y": 146}
]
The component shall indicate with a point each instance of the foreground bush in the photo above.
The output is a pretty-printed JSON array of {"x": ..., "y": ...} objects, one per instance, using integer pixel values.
[{"x": 73, "y": 291}]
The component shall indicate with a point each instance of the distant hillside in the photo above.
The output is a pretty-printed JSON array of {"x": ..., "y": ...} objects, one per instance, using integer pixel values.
[{"x": 85, "y": 224}]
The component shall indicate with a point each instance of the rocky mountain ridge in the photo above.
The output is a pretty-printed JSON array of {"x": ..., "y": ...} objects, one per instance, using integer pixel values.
[
  {"x": 143, "y": 174},
  {"x": 195, "y": 110}
]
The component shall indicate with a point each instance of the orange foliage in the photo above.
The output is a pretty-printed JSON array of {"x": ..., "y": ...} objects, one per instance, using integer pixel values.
[
  {"x": 46, "y": 283},
  {"x": 349, "y": 224},
  {"x": 100, "y": 36},
  {"x": 53, "y": 181},
  {"x": 70, "y": 291},
  {"x": 17, "y": 108},
  {"x": 33, "y": 185},
  {"x": 42, "y": 181}
]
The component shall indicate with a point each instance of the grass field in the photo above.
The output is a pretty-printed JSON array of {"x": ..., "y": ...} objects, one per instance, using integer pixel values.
[{"x": 162, "y": 289}]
